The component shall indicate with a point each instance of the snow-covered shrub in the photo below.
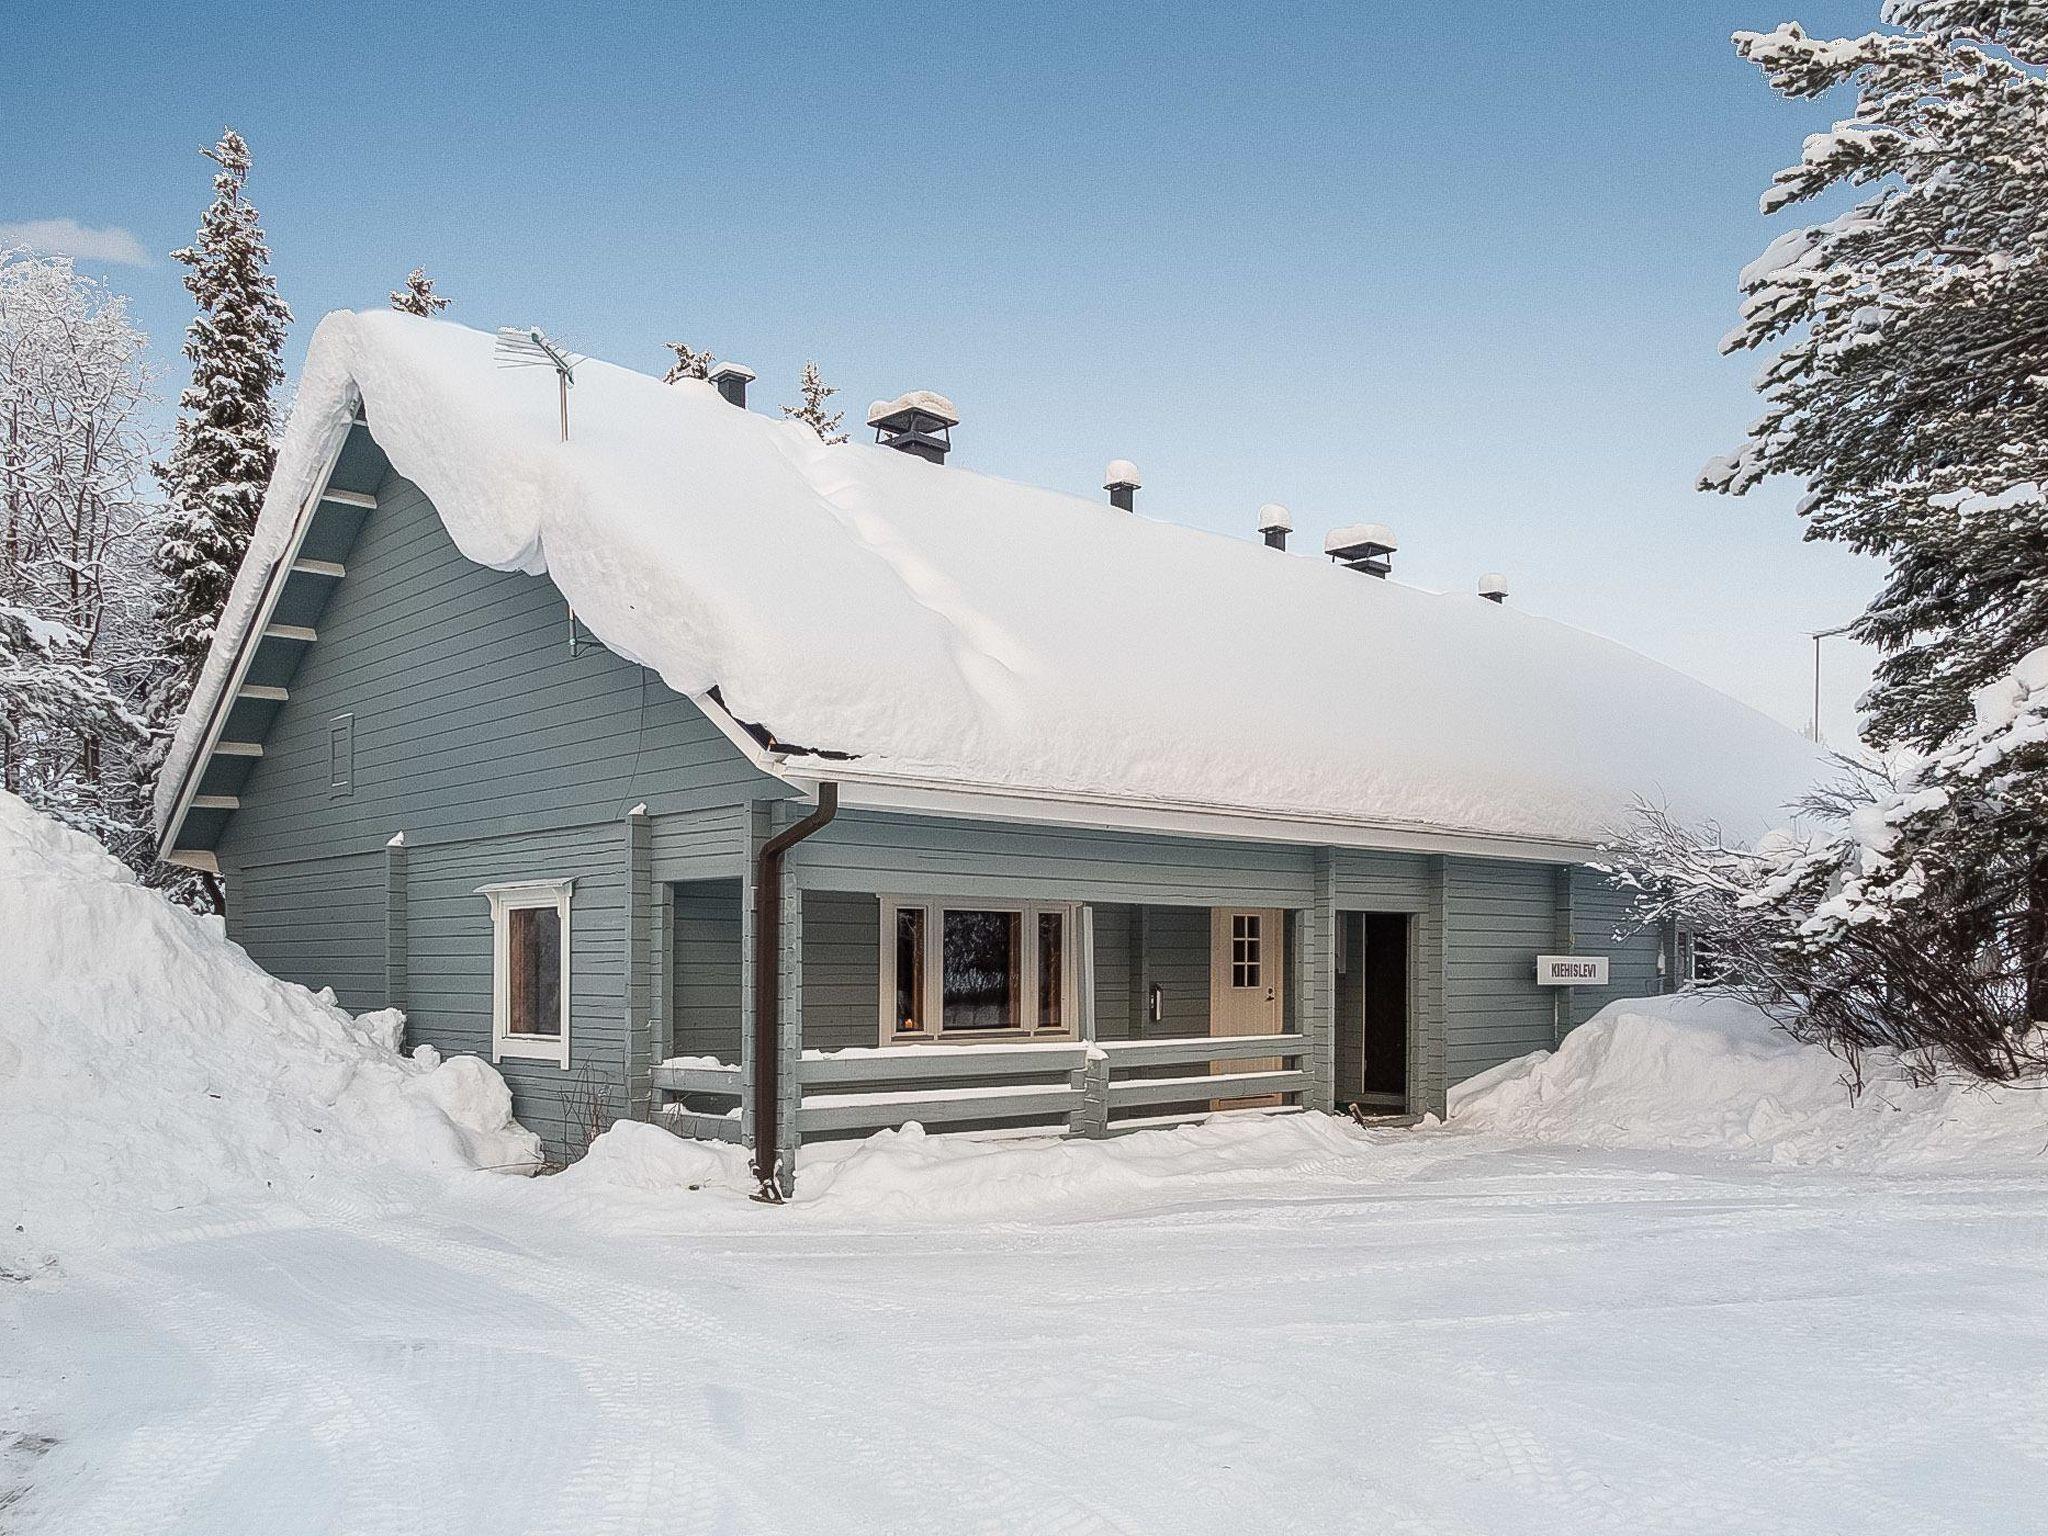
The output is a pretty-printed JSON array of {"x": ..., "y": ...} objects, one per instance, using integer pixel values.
[{"x": 1909, "y": 911}]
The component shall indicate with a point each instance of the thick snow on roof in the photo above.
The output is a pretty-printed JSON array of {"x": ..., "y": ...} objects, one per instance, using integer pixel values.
[{"x": 949, "y": 626}]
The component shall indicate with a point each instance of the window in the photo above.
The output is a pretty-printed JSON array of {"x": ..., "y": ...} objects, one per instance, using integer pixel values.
[
  {"x": 1246, "y": 959},
  {"x": 530, "y": 969},
  {"x": 976, "y": 970},
  {"x": 341, "y": 757},
  {"x": 909, "y": 1016}
]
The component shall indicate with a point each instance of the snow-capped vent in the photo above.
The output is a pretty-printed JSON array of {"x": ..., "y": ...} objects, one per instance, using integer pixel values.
[
  {"x": 1275, "y": 523},
  {"x": 1367, "y": 547},
  {"x": 732, "y": 380},
  {"x": 1121, "y": 480},
  {"x": 1493, "y": 587},
  {"x": 919, "y": 422}
]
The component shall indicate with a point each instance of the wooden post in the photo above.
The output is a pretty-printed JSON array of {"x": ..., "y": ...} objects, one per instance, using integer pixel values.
[
  {"x": 638, "y": 977},
  {"x": 755, "y": 827},
  {"x": 1437, "y": 1030},
  {"x": 1317, "y": 951},
  {"x": 1567, "y": 942},
  {"x": 397, "y": 949},
  {"x": 790, "y": 1026}
]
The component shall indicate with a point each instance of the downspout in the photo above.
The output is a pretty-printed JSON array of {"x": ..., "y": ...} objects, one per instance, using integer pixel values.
[{"x": 768, "y": 988}]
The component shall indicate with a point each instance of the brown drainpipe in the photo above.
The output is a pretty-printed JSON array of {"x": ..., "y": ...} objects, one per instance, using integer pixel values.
[{"x": 768, "y": 986}]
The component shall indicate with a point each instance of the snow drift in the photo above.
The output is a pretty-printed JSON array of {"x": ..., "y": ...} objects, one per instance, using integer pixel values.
[
  {"x": 147, "y": 1065},
  {"x": 946, "y": 626},
  {"x": 1708, "y": 1071}
]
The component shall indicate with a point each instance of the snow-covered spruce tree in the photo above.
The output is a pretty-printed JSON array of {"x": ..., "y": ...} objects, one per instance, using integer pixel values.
[
  {"x": 75, "y": 528},
  {"x": 417, "y": 297},
  {"x": 221, "y": 461},
  {"x": 688, "y": 364},
  {"x": 1909, "y": 385},
  {"x": 812, "y": 412},
  {"x": 1897, "y": 917},
  {"x": 1908, "y": 389}
]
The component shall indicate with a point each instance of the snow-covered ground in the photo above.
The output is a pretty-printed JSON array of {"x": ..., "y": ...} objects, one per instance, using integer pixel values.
[{"x": 254, "y": 1278}]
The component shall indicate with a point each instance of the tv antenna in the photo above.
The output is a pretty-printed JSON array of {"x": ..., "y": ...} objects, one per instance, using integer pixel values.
[{"x": 529, "y": 347}]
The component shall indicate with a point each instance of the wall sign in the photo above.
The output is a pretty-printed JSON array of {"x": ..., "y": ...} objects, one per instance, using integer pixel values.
[{"x": 1571, "y": 970}]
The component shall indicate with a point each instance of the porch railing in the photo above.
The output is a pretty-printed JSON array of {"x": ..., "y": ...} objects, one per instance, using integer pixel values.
[{"x": 1070, "y": 1087}]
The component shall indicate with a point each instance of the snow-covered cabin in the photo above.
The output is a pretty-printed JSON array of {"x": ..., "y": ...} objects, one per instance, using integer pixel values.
[{"x": 695, "y": 768}]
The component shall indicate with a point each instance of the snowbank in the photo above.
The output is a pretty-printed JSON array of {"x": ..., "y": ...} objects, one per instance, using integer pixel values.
[
  {"x": 1699, "y": 1070},
  {"x": 638, "y": 1176},
  {"x": 1009, "y": 638},
  {"x": 147, "y": 1065}
]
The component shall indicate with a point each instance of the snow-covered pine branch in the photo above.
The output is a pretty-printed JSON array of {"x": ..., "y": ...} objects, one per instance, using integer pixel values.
[
  {"x": 812, "y": 412},
  {"x": 417, "y": 297},
  {"x": 688, "y": 364},
  {"x": 1907, "y": 382}
]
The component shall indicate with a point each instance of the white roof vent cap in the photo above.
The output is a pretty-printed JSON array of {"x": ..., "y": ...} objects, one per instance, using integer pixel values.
[
  {"x": 1273, "y": 515},
  {"x": 1121, "y": 480}
]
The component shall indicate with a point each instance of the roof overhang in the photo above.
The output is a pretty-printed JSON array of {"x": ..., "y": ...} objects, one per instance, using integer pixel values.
[
  {"x": 275, "y": 634},
  {"x": 866, "y": 789}
]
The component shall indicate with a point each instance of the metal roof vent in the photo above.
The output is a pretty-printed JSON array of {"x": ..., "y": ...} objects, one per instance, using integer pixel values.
[
  {"x": 1275, "y": 523},
  {"x": 1122, "y": 482},
  {"x": 919, "y": 422},
  {"x": 732, "y": 380},
  {"x": 1493, "y": 587},
  {"x": 1367, "y": 547}
]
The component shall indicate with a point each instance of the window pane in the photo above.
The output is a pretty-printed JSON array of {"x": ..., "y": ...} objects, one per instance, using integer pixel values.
[
  {"x": 982, "y": 978},
  {"x": 1052, "y": 930},
  {"x": 536, "y": 980},
  {"x": 909, "y": 970}
]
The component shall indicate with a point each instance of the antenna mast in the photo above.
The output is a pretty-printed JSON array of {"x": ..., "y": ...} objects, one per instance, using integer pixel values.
[{"x": 529, "y": 347}]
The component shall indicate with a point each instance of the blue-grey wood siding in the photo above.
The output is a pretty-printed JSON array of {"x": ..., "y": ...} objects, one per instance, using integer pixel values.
[
  {"x": 500, "y": 756},
  {"x": 449, "y": 942},
  {"x": 1501, "y": 917},
  {"x": 910, "y": 855},
  {"x": 842, "y": 970},
  {"x": 319, "y": 922},
  {"x": 1602, "y": 925},
  {"x": 706, "y": 984},
  {"x": 470, "y": 715}
]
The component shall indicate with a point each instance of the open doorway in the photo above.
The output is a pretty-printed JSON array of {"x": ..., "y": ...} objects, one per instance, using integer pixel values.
[{"x": 1372, "y": 1011}]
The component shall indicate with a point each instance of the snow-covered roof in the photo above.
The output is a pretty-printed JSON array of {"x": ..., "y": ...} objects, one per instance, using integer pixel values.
[{"x": 948, "y": 628}]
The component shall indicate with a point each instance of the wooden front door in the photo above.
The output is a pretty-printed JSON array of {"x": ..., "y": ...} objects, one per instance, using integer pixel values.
[{"x": 1247, "y": 988}]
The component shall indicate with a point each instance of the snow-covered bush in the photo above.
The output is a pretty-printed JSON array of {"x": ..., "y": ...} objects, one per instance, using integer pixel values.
[{"x": 1909, "y": 912}]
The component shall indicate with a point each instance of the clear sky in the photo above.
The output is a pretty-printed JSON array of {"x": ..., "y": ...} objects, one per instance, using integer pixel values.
[{"x": 1458, "y": 267}]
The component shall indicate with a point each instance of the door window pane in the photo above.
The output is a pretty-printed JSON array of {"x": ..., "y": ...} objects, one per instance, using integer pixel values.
[
  {"x": 910, "y": 970},
  {"x": 535, "y": 941},
  {"x": 1245, "y": 959},
  {"x": 1052, "y": 928},
  {"x": 982, "y": 979}
]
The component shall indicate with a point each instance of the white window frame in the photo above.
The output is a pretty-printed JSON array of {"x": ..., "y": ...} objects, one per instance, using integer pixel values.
[
  {"x": 506, "y": 898},
  {"x": 934, "y": 909}
]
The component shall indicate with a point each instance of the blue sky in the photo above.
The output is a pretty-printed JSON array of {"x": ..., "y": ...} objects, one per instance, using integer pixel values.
[{"x": 1460, "y": 268}]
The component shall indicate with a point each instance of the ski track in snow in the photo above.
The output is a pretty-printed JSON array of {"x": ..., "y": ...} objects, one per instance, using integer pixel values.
[{"x": 1453, "y": 1334}]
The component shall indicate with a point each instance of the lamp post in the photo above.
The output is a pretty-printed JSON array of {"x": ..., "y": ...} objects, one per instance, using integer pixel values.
[{"x": 1819, "y": 635}]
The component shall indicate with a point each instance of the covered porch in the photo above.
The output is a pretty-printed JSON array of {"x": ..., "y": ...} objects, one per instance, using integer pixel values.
[{"x": 1020, "y": 1015}]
